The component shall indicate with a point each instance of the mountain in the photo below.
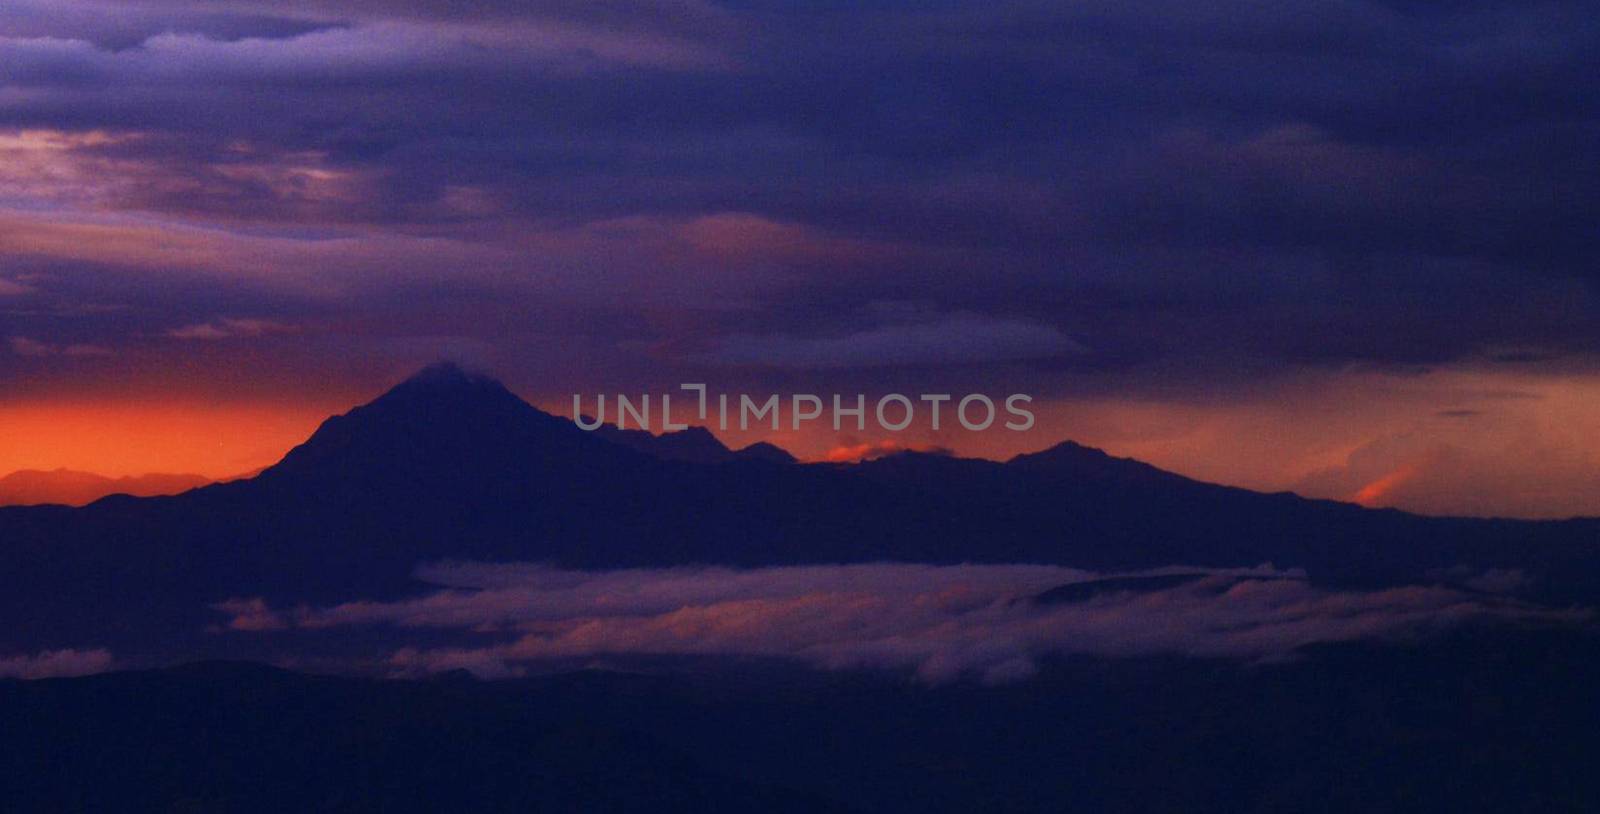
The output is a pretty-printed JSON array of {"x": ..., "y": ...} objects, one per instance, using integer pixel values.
[
  {"x": 451, "y": 465},
  {"x": 247, "y": 738},
  {"x": 692, "y": 445},
  {"x": 67, "y": 487},
  {"x": 763, "y": 451}
]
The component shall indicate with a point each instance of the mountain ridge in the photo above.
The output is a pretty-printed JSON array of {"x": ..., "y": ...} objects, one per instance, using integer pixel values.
[
  {"x": 453, "y": 466},
  {"x": 72, "y": 487}
]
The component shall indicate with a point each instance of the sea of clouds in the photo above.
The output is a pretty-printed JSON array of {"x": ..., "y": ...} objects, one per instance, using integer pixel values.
[{"x": 940, "y": 622}]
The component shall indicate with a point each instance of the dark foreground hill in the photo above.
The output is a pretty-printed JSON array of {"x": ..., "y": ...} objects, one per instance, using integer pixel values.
[
  {"x": 244, "y": 738},
  {"x": 449, "y": 465},
  {"x": 1480, "y": 722}
]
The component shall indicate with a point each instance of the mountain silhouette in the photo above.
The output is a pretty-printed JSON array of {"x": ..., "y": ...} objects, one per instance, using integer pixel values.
[
  {"x": 763, "y": 451},
  {"x": 452, "y": 465},
  {"x": 436, "y": 432},
  {"x": 693, "y": 445}
]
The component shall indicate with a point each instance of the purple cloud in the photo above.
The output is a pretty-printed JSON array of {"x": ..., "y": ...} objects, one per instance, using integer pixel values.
[
  {"x": 24, "y": 346},
  {"x": 56, "y": 664},
  {"x": 1146, "y": 200},
  {"x": 227, "y": 328}
]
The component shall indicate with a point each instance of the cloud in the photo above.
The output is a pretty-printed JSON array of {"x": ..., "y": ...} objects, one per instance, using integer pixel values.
[
  {"x": 633, "y": 191},
  {"x": 941, "y": 622},
  {"x": 369, "y": 50},
  {"x": 56, "y": 664},
  {"x": 23, "y": 346},
  {"x": 86, "y": 350},
  {"x": 1523, "y": 459},
  {"x": 11, "y": 288},
  {"x": 251, "y": 615},
  {"x": 1270, "y": 193},
  {"x": 957, "y": 338},
  {"x": 230, "y": 329},
  {"x": 1490, "y": 580}
]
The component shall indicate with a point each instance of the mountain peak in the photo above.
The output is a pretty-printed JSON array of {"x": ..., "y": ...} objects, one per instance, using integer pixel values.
[
  {"x": 695, "y": 444},
  {"x": 447, "y": 387},
  {"x": 445, "y": 373},
  {"x": 447, "y": 376},
  {"x": 440, "y": 419},
  {"x": 1063, "y": 451},
  {"x": 764, "y": 451},
  {"x": 1072, "y": 459}
]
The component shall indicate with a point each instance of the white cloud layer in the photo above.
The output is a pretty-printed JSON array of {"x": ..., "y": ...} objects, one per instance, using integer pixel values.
[{"x": 942, "y": 622}]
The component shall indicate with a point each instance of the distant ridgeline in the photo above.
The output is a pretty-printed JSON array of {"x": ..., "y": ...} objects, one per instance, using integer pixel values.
[
  {"x": 66, "y": 487},
  {"x": 452, "y": 466}
]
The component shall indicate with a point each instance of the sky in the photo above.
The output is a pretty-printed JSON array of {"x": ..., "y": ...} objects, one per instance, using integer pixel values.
[{"x": 1340, "y": 248}]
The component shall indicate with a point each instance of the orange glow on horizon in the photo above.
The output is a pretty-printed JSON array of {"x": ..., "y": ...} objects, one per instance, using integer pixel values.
[
  {"x": 860, "y": 452},
  {"x": 121, "y": 439},
  {"x": 1447, "y": 443}
]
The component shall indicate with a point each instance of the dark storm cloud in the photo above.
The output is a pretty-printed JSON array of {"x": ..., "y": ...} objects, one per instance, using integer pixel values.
[{"x": 1186, "y": 186}]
